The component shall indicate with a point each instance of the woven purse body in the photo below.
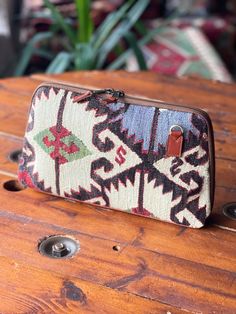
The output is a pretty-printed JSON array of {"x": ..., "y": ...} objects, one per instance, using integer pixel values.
[{"x": 136, "y": 155}]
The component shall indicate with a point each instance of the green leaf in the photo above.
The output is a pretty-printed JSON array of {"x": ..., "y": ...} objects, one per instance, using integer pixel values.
[
  {"x": 85, "y": 22},
  {"x": 132, "y": 40},
  {"x": 84, "y": 57},
  {"x": 118, "y": 49},
  {"x": 60, "y": 63},
  {"x": 39, "y": 15},
  {"x": 109, "y": 23},
  {"x": 141, "y": 28},
  {"x": 56, "y": 15},
  {"x": 43, "y": 53},
  {"x": 120, "y": 61},
  {"x": 29, "y": 50},
  {"x": 132, "y": 16},
  {"x": 102, "y": 27}
]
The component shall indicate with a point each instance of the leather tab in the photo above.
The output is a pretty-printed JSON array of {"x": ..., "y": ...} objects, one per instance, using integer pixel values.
[
  {"x": 174, "y": 143},
  {"x": 108, "y": 99}
]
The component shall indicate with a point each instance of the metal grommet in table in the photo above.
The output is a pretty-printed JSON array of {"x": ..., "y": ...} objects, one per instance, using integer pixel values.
[
  {"x": 59, "y": 246},
  {"x": 229, "y": 210},
  {"x": 15, "y": 155}
]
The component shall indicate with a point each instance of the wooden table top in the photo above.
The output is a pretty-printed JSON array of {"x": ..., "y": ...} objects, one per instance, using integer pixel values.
[{"x": 159, "y": 267}]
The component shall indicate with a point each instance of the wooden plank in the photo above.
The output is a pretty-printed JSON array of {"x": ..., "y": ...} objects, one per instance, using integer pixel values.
[
  {"x": 9, "y": 145},
  {"x": 13, "y": 119},
  {"x": 195, "y": 84},
  {"x": 225, "y": 143},
  {"x": 12, "y": 94},
  {"x": 26, "y": 86},
  {"x": 22, "y": 86},
  {"x": 40, "y": 291},
  {"x": 225, "y": 176},
  {"x": 135, "y": 270},
  {"x": 153, "y": 235},
  {"x": 15, "y": 98}
]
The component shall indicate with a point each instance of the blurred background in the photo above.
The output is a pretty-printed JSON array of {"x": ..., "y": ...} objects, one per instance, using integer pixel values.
[{"x": 195, "y": 38}]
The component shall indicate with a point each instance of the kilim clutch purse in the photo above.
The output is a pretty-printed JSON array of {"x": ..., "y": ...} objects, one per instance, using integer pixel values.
[{"x": 137, "y": 155}]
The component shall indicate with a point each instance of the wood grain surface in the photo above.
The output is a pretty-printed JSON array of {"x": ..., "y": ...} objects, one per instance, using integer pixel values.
[{"x": 158, "y": 267}]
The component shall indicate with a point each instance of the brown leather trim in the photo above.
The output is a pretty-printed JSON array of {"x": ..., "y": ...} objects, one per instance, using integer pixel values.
[
  {"x": 174, "y": 144},
  {"x": 132, "y": 99}
]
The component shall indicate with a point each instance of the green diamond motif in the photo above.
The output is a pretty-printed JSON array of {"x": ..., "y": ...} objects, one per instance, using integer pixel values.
[{"x": 61, "y": 144}]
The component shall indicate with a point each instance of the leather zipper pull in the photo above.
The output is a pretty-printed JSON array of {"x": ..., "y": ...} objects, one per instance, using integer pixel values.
[
  {"x": 175, "y": 142},
  {"x": 82, "y": 96}
]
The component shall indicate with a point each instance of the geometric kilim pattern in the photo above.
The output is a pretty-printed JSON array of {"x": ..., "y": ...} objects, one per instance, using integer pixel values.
[{"x": 115, "y": 155}]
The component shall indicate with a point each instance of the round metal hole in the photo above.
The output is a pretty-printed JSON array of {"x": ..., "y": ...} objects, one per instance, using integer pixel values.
[
  {"x": 116, "y": 248},
  {"x": 176, "y": 127},
  {"x": 13, "y": 186},
  {"x": 229, "y": 210},
  {"x": 58, "y": 246},
  {"x": 15, "y": 155}
]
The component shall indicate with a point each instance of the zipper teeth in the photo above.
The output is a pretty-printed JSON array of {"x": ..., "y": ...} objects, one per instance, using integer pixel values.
[{"x": 138, "y": 101}]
